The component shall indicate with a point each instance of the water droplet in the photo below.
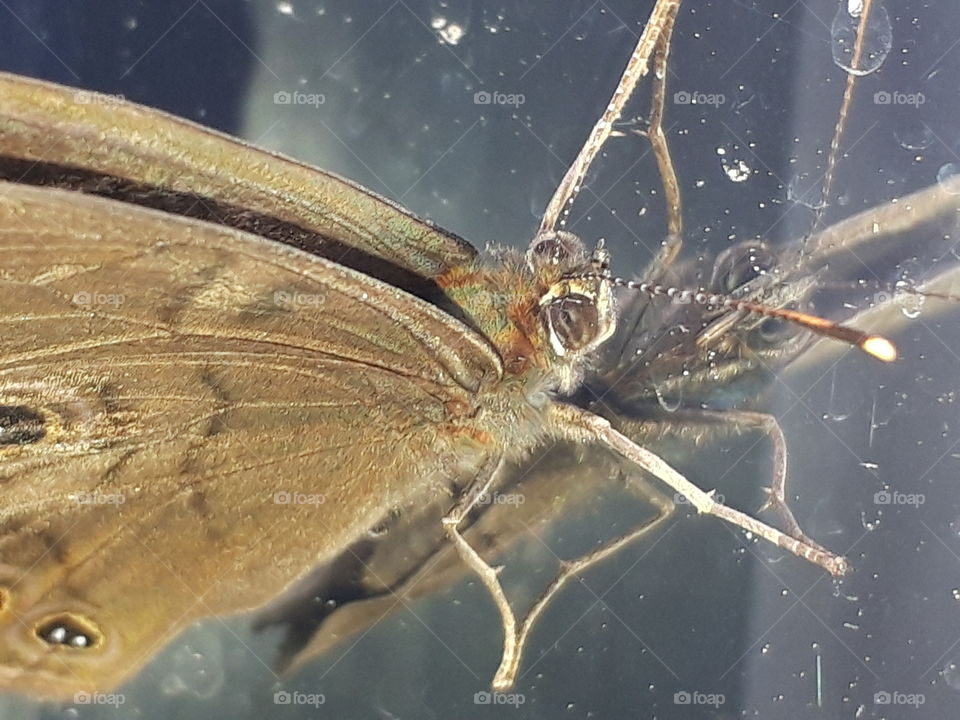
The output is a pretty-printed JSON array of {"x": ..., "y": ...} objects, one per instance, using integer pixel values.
[
  {"x": 199, "y": 669},
  {"x": 951, "y": 674},
  {"x": 911, "y": 303},
  {"x": 918, "y": 137},
  {"x": 946, "y": 176},
  {"x": 450, "y": 33},
  {"x": 736, "y": 169},
  {"x": 875, "y": 45},
  {"x": 668, "y": 404}
]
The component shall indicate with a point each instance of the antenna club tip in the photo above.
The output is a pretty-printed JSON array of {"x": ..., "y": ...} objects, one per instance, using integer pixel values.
[{"x": 879, "y": 347}]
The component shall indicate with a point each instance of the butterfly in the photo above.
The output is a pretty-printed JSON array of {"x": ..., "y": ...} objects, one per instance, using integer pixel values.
[{"x": 185, "y": 404}]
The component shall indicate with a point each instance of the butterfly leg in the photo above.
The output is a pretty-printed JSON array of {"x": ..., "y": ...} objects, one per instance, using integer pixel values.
[
  {"x": 487, "y": 573},
  {"x": 507, "y": 674},
  {"x": 581, "y": 426},
  {"x": 517, "y": 632},
  {"x": 712, "y": 424},
  {"x": 776, "y": 493}
]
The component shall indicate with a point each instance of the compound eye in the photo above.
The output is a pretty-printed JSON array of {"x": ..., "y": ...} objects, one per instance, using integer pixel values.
[
  {"x": 738, "y": 266},
  {"x": 774, "y": 331},
  {"x": 555, "y": 248},
  {"x": 572, "y": 322}
]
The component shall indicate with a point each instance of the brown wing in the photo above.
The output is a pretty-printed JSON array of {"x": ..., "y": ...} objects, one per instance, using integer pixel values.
[
  {"x": 190, "y": 418},
  {"x": 63, "y": 137}
]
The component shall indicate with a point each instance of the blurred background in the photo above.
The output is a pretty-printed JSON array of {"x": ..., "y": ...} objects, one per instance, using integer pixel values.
[{"x": 468, "y": 113}]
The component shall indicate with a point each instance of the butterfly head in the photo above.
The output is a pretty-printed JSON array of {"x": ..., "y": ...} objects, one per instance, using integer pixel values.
[{"x": 577, "y": 312}]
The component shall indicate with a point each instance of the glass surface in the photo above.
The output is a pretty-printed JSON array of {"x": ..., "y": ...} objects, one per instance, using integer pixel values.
[{"x": 468, "y": 113}]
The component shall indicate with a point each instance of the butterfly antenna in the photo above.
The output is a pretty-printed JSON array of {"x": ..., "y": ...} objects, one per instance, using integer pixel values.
[{"x": 875, "y": 345}]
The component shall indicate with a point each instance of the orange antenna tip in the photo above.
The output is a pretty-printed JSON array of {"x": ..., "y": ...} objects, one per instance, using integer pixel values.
[{"x": 879, "y": 347}]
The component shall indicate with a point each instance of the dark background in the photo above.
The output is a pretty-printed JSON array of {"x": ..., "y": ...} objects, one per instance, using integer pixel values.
[{"x": 701, "y": 609}]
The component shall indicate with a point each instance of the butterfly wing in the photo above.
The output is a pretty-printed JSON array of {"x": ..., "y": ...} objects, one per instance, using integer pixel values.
[
  {"x": 190, "y": 418},
  {"x": 62, "y": 137}
]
